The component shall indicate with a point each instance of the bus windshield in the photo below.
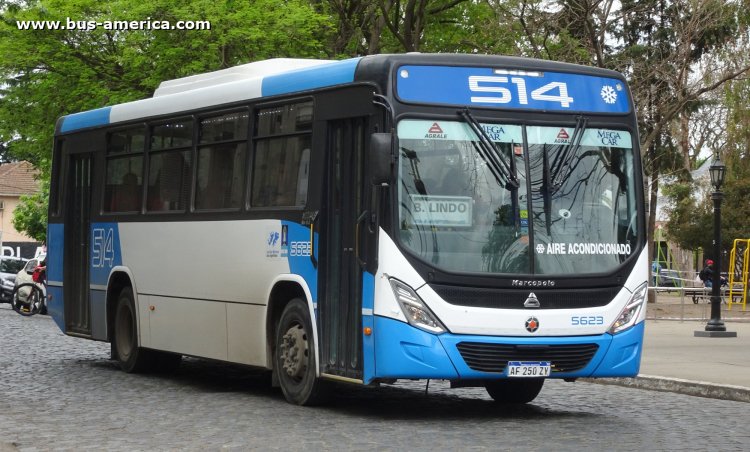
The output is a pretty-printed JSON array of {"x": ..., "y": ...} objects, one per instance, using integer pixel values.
[{"x": 568, "y": 205}]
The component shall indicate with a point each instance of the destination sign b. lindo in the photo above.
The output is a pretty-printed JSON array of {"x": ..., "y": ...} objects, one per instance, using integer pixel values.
[{"x": 555, "y": 91}]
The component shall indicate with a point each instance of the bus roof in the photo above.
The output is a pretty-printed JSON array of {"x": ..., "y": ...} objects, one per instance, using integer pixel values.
[
  {"x": 285, "y": 75},
  {"x": 249, "y": 71},
  {"x": 249, "y": 81}
]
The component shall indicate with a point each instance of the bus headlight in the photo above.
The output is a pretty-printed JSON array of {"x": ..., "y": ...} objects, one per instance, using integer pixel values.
[
  {"x": 416, "y": 311},
  {"x": 631, "y": 311}
]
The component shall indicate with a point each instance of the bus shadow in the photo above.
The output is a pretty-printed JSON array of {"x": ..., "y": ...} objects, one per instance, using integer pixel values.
[
  {"x": 407, "y": 401},
  {"x": 410, "y": 404}
]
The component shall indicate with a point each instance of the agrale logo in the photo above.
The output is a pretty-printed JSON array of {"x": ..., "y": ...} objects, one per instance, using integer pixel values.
[
  {"x": 562, "y": 137},
  {"x": 436, "y": 132},
  {"x": 531, "y": 301}
]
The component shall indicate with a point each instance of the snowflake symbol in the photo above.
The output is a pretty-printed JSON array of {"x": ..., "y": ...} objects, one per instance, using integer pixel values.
[
  {"x": 608, "y": 94},
  {"x": 540, "y": 248}
]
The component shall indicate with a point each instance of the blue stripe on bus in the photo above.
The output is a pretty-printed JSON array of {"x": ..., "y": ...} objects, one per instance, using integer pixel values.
[
  {"x": 295, "y": 248},
  {"x": 623, "y": 359},
  {"x": 330, "y": 74},
  {"x": 403, "y": 351},
  {"x": 104, "y": 253},
  {"x": 55, "y": 247},
  {"x": 83, "y": 120},
  {"x": 368, "y": 344}
]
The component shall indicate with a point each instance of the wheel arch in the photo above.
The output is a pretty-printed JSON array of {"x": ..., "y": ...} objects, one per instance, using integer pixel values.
[
  {"x": 281, "y": 291},
  {"x": 119, "y": 278}
]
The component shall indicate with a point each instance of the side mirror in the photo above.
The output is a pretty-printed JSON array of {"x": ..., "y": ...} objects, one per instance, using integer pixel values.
[{"x": 379, "y": 158}]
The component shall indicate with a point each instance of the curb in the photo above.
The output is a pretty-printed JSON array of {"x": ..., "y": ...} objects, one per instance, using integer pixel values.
[
  {"x": 700, "y": 320},
  {"x": 680, "y": 386}
]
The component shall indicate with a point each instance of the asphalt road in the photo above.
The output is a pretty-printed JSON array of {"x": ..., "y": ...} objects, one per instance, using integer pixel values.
[{"x": 63, "y": 393}]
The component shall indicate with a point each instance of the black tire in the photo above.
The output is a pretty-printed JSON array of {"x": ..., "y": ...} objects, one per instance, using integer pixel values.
[
  {"x": 27, "y": 304},
  {"x": 514, "y": 390},
  {"x": 294, "y": 357},
  {"x": 131, "y": 357}
]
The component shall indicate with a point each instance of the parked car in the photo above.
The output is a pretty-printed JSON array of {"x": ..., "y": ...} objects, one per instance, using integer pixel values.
[
  {"x": 25, "y": 276},
  {"x": 668, "y": 278},
  {"x": 9, "y": 268}
]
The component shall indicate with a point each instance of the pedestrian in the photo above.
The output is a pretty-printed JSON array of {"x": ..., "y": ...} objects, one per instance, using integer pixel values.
[{"x": 707, "y": 275}]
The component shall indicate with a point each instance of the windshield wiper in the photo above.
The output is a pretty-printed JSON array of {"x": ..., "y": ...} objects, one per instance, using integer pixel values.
[
  {"x": 499, "y": 167},
  {"x": 414, "y": 163},
  {"x": 560, "y": 167}
]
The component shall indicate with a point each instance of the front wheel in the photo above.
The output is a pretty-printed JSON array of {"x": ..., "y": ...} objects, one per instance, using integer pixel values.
[
  {"x": 294, "y": 356},
  {"x": 515, "y": 390},
  {"x": 27, "y": 299}
]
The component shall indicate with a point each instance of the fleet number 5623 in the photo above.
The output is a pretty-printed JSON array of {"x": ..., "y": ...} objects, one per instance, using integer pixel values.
[{"x": 582, "y": 320}]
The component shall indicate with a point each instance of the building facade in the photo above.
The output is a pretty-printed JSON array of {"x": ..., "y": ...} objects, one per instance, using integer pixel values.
[{"x": 16, "y": 179}]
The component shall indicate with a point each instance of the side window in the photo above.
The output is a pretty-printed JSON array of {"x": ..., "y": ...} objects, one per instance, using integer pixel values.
[
  {"x": 221, "y": 161},
  {"x": 283, "y": 139},
  {"x": 170, "y": 166},
  {"x": 124, "y": 171},
  {"x": 30, "y": 266}
]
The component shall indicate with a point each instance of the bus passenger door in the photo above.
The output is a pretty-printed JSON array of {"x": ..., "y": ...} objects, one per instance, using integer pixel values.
[
  {"x": 76, "y": 248},
  {"x": 340, "y": 305}
]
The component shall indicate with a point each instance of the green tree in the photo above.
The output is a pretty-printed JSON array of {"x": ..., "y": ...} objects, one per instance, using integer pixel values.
[
  {"x": 49, "y": 73},
  {"x": 730, "y": 136},
  {"x": 690, "y": 216},
  {"x": 736, "y": 154},
  {"x": 45, "y": 74},
  {"x": 674, "y": 53}
]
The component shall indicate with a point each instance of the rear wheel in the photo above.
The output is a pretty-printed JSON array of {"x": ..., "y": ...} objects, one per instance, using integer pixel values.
[
  {"x": 517, "y": 390},
  {"x": 294, "y": 356}
]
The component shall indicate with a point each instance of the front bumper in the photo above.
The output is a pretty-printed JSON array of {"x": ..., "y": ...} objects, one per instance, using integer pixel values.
[{"x": 402, "y": 351}]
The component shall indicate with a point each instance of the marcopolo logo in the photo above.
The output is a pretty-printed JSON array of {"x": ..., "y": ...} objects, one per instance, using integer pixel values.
[
  {"x": 532, "y": 283},
  {"x": 532, "y": 301}
]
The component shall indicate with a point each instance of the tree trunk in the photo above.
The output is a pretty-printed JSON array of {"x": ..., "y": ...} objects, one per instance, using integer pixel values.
[
  {"x": 653, "y": 199},
  {"x": 685, "y": 139}
]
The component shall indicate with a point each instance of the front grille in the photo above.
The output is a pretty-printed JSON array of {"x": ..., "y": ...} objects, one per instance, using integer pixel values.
[
  {"x": 515, "y": 298},
  {"x": 494, "y": 357}
]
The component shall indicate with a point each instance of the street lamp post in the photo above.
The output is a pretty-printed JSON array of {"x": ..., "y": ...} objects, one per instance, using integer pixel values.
[{"x": 715, "y": 327}]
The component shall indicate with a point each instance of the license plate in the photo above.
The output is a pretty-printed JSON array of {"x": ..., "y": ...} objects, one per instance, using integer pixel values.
[{"x": 528, "y": 369}]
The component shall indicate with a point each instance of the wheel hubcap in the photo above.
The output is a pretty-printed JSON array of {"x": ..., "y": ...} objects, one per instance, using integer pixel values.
[{"x": 294, "y": 352}]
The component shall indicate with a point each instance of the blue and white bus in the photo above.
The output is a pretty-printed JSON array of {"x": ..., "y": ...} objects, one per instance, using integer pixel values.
[{"x": 477, "y": 219}]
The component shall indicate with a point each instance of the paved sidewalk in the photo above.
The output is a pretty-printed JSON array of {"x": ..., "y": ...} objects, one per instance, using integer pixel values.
[{"x": 675, "y": 360}]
